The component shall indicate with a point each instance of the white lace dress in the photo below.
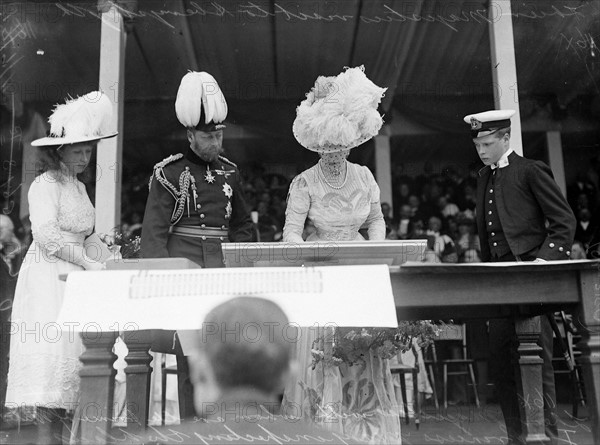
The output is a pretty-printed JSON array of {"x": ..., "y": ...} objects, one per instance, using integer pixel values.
[
  {"x": 358, "y": 401},
  {"x": 335, "y": 213},
  {"x": 44, "y": 361}
]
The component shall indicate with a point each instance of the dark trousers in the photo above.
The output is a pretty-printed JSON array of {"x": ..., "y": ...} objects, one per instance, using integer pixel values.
[
  {"x": 207, "y": 254},
  {"x": 506, "y": 373}
]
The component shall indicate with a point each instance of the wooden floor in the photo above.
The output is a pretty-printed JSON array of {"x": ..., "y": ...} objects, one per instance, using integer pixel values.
[{"x": 459, "y": 424}]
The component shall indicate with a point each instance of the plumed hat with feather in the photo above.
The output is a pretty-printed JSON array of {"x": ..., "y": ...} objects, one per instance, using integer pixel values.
[
  {"x": 339, "y": 112},
  {"x": 200, "y": 103},
  {"x": 84, "y": 119}
]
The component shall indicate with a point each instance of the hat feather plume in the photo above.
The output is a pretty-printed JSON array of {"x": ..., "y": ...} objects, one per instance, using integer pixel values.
[
  {"x": 339, "y": 111},
  {"x": 199, "y": 94},
  {"x": 85, "y": 116}
]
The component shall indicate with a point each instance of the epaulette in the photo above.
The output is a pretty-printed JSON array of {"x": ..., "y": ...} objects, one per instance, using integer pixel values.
[
  {"x": 168, "y": 160},
  {"x": 227, "y": 161},
  {"x": 160, "y": 176},
  {"x": 159, "y": 166}
]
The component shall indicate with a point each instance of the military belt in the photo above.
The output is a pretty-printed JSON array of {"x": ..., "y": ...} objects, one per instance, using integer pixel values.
[{"x": 200, "y": 232}]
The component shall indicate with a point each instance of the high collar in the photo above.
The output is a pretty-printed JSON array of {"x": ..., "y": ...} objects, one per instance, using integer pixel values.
[
  {"x": 487, "y": 169},
  {"x": 503, "y": 161},
  {"x": 194, "y": 158}
]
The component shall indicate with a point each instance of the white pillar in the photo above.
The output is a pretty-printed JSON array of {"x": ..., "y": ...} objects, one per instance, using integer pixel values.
[
  {"x": 383, "y": 167},
  {"x": 555, "y": 157},
  {"x": 110, "y": 151},
  {"x": 504, "y": 69}
]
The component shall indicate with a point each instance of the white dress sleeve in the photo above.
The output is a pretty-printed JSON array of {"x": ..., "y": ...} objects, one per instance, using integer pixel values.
[
  {"x": 298, "y": 204},
  {"x": 375, "y": 222},
  {"x": 44, "y": 196}
]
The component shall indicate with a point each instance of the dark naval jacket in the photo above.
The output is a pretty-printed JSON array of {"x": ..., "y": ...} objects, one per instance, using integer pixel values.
[
  {"x": 533, "y": 214},
  {"x": 193, "y": 206}
]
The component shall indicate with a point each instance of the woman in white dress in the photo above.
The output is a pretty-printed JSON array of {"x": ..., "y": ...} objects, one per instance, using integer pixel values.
[
  {"x": 336, "y": 198},
  {"x": 44, "y": 361}
]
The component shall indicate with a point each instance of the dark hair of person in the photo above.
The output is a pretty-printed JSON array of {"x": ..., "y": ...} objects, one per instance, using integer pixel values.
[{"x": 239, "y": 361}]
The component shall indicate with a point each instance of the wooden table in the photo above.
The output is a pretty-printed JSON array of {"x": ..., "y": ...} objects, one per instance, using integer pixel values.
[{"x": 420, "y": 292}]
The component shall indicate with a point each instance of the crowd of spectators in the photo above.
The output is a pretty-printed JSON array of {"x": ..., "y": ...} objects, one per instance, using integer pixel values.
[
  {"x": 441, "y": 208},
  {"x": 437, "y": 206}
]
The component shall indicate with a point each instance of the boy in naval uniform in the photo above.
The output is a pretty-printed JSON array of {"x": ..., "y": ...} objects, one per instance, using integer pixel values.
[{"x": 522, "y": 215}]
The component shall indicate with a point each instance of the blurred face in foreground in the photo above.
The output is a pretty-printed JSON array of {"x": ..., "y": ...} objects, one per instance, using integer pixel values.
[{"x": 242, "y": 348}]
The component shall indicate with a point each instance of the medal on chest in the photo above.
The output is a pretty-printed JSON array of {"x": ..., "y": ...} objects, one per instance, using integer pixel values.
[{"x": 208, "y": 177}]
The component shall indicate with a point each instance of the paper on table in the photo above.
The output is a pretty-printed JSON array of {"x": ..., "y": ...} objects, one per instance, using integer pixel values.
[{"x": 179, "y": 299}]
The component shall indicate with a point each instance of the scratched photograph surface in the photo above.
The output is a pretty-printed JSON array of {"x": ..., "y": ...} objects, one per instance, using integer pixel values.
[{"x": 438, "y": 61}]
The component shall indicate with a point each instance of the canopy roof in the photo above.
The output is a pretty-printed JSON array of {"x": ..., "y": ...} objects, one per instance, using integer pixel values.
[{"x": 434, "y": 56}]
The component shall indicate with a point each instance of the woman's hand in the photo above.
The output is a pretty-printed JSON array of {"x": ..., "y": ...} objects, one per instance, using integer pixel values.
[{"x": 109, "y": 240}]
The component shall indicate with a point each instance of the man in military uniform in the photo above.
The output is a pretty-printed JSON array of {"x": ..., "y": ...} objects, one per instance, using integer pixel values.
[
  {"x": 196, "y": 201},
  {"x": 522, "y": 215}
]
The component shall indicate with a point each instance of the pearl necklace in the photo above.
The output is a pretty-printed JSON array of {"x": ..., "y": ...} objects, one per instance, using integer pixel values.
[{"x": 336, "y": 187}]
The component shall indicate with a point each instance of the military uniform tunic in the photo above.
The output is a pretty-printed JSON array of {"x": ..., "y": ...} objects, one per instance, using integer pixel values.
[{"x": 193, "y": 206}]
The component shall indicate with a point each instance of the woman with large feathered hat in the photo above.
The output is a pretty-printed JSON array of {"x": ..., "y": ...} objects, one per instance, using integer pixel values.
[
  {"x": 44, "y": 361},
  {"x": 336, "y": 198}
]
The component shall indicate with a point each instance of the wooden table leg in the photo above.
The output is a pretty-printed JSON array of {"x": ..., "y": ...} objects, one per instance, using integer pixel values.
[
  {"x": 138, "y": 378},
  {"x": 588, "y": 323},
  {"x": 97, "y": 386},
  {"x": 530, "y": 361}
]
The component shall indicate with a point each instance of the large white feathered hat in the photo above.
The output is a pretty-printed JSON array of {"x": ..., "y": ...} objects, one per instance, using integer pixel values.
[
  {"x": 85, "y": 119},
  {"x": 200, "y": 103},
  {"x": 339, "y": 112}
]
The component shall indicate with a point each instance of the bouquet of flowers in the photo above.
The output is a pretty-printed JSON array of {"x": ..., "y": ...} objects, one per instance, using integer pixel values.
[
  {"x": 349, "y": 345},
  {"x": 128, "y": 246}
]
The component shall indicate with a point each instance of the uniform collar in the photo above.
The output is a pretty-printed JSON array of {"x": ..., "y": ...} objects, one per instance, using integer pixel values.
[
  {"x": 193, "y": 157},
  {"x": 503, "y": 161}
]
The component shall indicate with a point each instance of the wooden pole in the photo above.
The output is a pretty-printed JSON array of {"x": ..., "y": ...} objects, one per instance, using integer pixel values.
[
  {"x": 383, "y": 167},
  {"x": 555, "y": 158},
  {"x": 504, "y": 68},
  {"x": 110, "y": 151}
]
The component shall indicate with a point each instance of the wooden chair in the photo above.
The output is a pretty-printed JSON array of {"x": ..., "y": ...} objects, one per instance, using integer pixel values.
[
  {"x": 462, "y": 366},
  {"x": 565, "y": 360},
  {"x": 165, "y": 371},
  {"x": 431, "y": 364},
  {"x": 402, "y": 369}
]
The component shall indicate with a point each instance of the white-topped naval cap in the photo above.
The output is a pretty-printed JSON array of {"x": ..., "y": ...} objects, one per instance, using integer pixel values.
[{"x": 488, "y": 122}]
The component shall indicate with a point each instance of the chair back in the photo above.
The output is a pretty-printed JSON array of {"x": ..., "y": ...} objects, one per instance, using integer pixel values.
[{"x": 456, "y": 333}]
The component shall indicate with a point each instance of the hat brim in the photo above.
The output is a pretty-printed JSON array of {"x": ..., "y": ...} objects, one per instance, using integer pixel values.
[
  {"x": 47, "y": 141},
  {"x": 336, "y": 148}
]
